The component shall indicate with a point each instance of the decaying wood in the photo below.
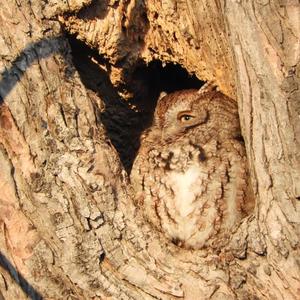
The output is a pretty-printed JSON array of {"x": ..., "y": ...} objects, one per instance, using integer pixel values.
[
  {"x": 190, "y": 33},
  {"x": 68, "y": 225}
]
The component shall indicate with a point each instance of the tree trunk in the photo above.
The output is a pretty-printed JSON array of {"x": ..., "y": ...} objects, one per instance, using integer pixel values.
[{"x": 69, "y": 227}]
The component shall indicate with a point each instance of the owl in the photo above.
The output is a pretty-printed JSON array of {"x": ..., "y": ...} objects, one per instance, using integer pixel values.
[{"x": 190, "y": 174}]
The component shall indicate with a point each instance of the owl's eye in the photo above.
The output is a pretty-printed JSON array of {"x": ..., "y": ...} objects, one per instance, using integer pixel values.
[{"x": 185, "y": 118}]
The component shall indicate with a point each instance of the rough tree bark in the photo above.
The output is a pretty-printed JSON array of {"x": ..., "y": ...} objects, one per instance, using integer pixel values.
[{"x": 68, "y": 226}]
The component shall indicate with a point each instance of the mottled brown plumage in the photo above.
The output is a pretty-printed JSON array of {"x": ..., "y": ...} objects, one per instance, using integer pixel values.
[{"x": 190, "y": 174}]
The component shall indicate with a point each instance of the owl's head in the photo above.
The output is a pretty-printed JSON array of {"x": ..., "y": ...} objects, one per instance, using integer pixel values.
[{"x": 196, "y": 112}]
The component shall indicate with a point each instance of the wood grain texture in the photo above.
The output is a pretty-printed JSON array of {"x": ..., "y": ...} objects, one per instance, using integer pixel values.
[{"x": 69, "y": 227}]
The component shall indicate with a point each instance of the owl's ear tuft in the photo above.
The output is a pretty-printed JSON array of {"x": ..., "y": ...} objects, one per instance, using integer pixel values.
[
  {"x": 161, "y": 95},
  {"x": 208, "y": 87}
]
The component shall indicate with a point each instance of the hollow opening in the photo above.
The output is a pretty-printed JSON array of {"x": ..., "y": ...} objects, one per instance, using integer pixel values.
[{"x": 125, "y": 119}]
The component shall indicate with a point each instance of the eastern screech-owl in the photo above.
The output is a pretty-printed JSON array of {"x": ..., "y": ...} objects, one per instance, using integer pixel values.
[{"x": 190, "y": 174}]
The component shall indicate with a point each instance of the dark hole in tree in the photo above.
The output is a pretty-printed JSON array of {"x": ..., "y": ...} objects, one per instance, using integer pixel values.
[
  {"x": 125, "y": 120},
  {"x": 102, "y": 257}
]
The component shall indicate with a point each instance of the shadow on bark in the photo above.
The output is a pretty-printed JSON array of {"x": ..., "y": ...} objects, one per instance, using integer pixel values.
[
  {"x": 34, "y": 51},
  {"x": 19, "y": 279},
  {"x": 123, "y": 124},
  {"x": 96, "y": 10},
  {"x": 9, "y": 78}
]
